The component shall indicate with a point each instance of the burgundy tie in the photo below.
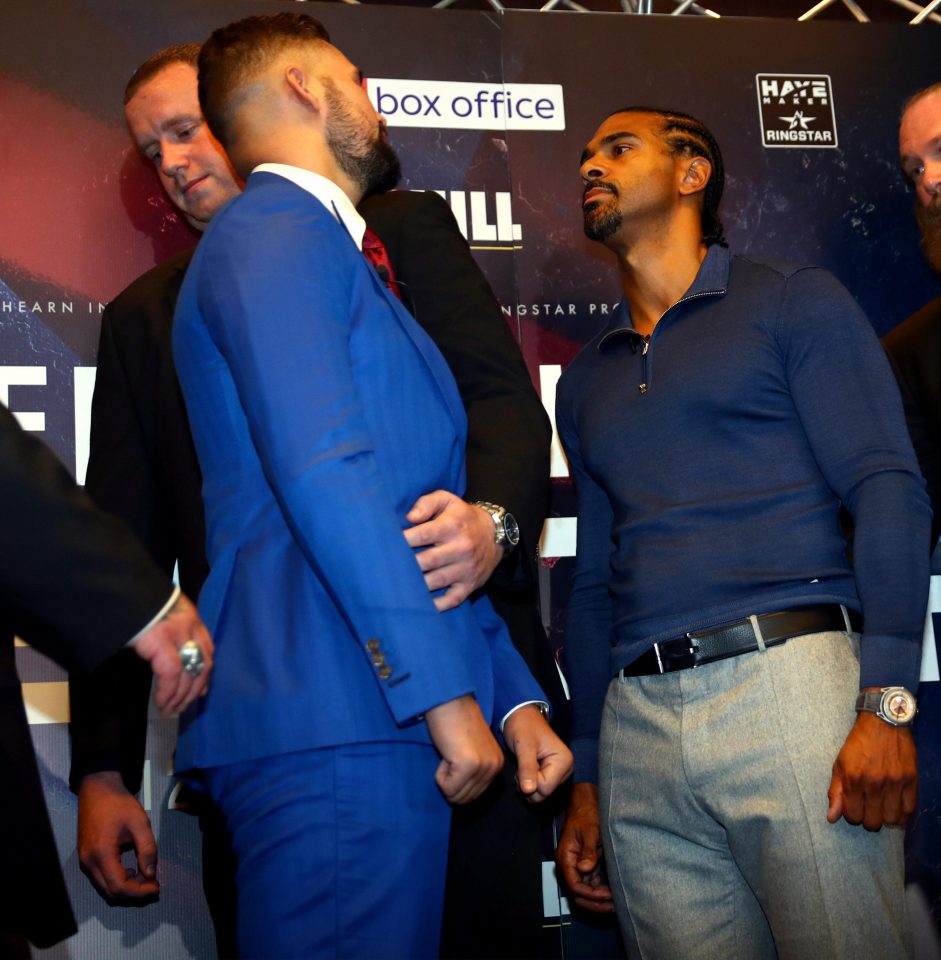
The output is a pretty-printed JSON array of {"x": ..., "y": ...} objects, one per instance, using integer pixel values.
[{"x": 374, "y": 250}]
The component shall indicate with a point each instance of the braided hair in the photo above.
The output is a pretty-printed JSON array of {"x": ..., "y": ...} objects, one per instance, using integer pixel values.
[{"x": 684, "y": 135}]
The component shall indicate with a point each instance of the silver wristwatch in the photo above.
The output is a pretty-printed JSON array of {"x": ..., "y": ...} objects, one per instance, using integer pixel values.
[
  {"x": 895, "y": 705},
  {"x": 506, "y": 530}
]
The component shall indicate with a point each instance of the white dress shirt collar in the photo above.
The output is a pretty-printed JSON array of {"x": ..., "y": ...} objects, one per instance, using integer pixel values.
[{"x": 326, "y": 191}]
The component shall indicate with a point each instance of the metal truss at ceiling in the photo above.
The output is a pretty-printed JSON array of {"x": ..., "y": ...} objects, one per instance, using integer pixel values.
[{"x": 922, "y": 10}]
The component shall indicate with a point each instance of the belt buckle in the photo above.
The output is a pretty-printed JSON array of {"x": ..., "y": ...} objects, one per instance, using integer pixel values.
[{"x": 681, "y": 661}]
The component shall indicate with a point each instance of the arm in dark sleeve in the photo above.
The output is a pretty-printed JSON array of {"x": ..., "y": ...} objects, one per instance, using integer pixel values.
[
  {"x": 508, "y": 431},
  {"x": 586, "y": 652},
  {"x": 109, "y": 705},
  {"x": 76, "y": 583},
  {"x": 850, "y": 409}
]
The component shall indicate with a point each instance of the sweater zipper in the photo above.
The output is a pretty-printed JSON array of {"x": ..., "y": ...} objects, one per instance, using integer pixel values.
[{"x": 642, "y": 387}]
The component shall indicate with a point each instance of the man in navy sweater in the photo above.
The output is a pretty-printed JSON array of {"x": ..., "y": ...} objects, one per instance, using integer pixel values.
[{"x": 715, "y": 430}]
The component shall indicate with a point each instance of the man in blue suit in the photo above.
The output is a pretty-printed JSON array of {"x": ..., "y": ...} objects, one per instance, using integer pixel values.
[{"x": 347, "y": 709}]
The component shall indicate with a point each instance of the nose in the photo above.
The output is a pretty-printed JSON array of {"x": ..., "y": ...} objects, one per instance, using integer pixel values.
[
  {"x": 173, "y": 157},
  {"x": 931, "y": 178},
  {"x": 591, "y": 169}
]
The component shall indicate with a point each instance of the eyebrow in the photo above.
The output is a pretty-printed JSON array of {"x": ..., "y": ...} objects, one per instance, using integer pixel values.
[
  {"x": 607, "y": 141},
  {"x": 179, "y": 118}
]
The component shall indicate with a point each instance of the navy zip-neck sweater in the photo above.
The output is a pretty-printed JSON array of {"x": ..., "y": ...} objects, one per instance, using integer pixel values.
[{"x": 710, "y": 466}]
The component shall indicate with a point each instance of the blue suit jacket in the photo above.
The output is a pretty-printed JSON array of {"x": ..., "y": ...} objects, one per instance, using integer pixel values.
[{"x": 320, "y": 412}]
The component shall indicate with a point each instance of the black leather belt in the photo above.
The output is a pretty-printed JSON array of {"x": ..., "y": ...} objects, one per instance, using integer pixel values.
[{"x": 730, "y": 640}]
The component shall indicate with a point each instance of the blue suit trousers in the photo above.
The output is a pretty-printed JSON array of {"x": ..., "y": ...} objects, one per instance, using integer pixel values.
[{"x": 341, "y": 851}]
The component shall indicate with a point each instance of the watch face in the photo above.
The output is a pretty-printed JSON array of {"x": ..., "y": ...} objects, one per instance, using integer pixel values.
[
  {"x": 511, "y": 528},
  {"x": 899, "y": 706}
]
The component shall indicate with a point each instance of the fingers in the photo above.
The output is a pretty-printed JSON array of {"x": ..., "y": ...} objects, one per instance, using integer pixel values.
[
  {"x": 603, "y": 903},
  {"x": 909, "y": 800},
  {"x": 885, "y": 805},
  {"x": 579, "y": 861},
  {"x": 462, "y": 783},
  {"x": 835, "y": 796},
  {"x": 874, "y": 780},
  {"x": 109, "y": 875},
  {"x": 453, "y": 597},
  {"x": 428, "y": 506},
  {"x": 107, "y": 870},
  {"x": 457, "y": 546},
  {"x": 160, "y": 646},
  {"x": 527, "y": 768},
  {"x": 470, "y": 756},
  {"x": 542, "y": 760},
  {"x": 176, "y": 689},
  {"x": 579, "y": 854},
  {"x": 109, "y": 820},
  {"x": 145, "y": 848},
  {"x": 554, "y": 771}
]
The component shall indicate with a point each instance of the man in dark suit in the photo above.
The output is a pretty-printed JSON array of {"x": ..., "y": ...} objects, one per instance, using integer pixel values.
[
  {"x": 914, "y": 346},
  {"x": 79, "y": 588},
  {"x": 142, "y": 466}
]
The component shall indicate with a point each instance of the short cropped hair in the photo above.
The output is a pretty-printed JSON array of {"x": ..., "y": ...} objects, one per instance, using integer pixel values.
[
  {"x": 919, "y": 95},
  {"x": 235, "y": 53},
  {"x": 178, "y": 53},
  {"x": 684, "y": 135}
]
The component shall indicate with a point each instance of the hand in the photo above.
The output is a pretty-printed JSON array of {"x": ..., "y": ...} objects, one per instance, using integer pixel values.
[
  {"x": 543, "y": 761},
  {"x": 160, "y": 645},
  {"x": 875, "y": 777},
  {"x": 110, "y": 819},
  {"x": 470, "y": 756},
  {"x": 462, "y": 549},
  {"x": 579, "y": 855}
]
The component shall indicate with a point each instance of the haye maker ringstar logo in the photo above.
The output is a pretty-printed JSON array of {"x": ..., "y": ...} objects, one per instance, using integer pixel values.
[{"x": 796, "y": 110}]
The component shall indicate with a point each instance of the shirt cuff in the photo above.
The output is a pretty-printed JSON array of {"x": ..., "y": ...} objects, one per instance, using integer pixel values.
[
  {"x": 161, "y": 613},
  {"x": 543, "y": 709}
]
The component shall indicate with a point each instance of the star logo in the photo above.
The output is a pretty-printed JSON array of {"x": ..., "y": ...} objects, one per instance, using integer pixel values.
[
  {"x": 798, "y": 119},
  {"x": 808, "y": 98}
]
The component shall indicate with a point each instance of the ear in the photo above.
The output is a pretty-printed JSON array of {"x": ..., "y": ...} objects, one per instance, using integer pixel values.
[
  {"x": 298, "y": 81},
  {"x": 697, "y": 173}
]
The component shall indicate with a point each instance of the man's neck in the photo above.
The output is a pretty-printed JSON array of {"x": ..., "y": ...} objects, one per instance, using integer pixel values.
[
  {"x": 303, "y": 151},
  {"x": 655, "y": 275}
]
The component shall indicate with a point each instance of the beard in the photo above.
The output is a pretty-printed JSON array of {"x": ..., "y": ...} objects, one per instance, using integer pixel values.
[
  {"x": 929, "y": 223},
  {"x": 368, "y": 161},
  {"x": 602, "y": 220}
]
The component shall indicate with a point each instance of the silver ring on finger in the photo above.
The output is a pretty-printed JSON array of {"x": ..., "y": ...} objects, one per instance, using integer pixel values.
[{"x": 191, "y": 658}]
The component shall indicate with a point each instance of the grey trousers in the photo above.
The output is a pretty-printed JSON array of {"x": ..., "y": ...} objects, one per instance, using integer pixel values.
[{"x": 713, "y": 788}]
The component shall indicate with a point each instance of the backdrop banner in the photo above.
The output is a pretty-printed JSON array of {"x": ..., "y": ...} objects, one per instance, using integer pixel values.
[{"x": 492, "y": 111}]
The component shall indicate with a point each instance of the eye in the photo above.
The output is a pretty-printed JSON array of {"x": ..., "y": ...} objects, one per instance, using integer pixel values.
[
  {"x": 153, "y": 156},
  {"x": 187, "y": 133},
  {"x": 620, "y": 148}
]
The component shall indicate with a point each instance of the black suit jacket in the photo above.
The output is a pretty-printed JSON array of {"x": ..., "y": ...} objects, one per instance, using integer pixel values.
[
  {"x": 142, "y": 465},
  {"x": 914, "y": 349},
  {"x": 75, "y": 585},
  {"x": 142, "y": 468}
]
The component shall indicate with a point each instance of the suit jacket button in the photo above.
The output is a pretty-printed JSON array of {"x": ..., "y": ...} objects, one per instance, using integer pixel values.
[
  {"x": 372, "y": 646},
  {"x": 378, "y": 659},
  {"x": 385, "y": 671}
]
